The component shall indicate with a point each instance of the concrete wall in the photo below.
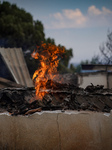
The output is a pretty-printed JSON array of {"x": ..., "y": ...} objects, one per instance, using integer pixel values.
[
  {"x": 95, "y": 78},
  {"x": 54, "y": 130}
]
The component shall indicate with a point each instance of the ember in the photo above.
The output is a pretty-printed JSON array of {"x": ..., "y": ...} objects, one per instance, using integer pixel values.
[{"x": 48, "y": 55}]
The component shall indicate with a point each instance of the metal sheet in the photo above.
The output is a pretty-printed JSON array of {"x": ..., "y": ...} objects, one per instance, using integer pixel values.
[{"x": 14, "y": 59}]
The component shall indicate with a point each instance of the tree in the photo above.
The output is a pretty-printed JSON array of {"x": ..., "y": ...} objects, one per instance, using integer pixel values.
[
  {"x": 94, "y": 61},
  {"x": 78, "y": 67},
  {"x": 50, "y": 40},
  {"x": 18, "y": 29},
  {"x": 63, "y": 63},
  {"x": 106, "y": 49}
]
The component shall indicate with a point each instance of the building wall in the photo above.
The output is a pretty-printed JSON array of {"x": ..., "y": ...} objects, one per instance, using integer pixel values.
[{"x": 86, "y": 79}]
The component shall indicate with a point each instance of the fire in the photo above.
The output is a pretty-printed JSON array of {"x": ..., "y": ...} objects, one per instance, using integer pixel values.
[{"x": 48, "y": 56}]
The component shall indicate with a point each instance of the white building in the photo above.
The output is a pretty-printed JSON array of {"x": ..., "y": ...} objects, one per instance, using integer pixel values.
[{"x": 95, "y": 74}]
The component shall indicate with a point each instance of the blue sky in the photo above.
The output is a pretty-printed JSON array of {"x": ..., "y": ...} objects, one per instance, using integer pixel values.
[{"x": 80, "y": 25}]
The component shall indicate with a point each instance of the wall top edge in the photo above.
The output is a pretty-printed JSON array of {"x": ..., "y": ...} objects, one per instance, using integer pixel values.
[{"x": 68, "y": 112}]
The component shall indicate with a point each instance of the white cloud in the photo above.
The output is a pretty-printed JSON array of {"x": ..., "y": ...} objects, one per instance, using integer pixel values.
[
  {"x": 72, "y": 14},
  {"x": 58, "y": 16},
  {"x": 70, "y": 18},
  {"x": 98, "y": 17},
  {"x": 106, "y": 11},
  {"x": 94, "y": 11}
]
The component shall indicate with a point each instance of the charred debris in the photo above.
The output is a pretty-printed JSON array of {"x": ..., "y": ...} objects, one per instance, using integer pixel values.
[{"x": 61, "y": 96}]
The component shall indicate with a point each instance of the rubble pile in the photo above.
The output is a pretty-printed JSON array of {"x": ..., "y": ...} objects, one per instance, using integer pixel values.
[{"x": 61, "y": 96}]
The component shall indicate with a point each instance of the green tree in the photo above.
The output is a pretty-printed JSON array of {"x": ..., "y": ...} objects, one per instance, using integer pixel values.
[
  {"x": 72, "y": 68},
  {"x": 50, "y": 40},
  {"x": 94, "y": 61},
  {"x": 64, "y": 60},
  {"x": 18, "y": 29}
]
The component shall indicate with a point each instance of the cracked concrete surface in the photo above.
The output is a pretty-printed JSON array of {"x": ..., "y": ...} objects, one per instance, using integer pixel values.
[
  {"x": 54, "y": 130},
  {"x": 59, "y": 132}
]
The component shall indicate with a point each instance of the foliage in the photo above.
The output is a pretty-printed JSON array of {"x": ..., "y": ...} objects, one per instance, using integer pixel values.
[
  {"x": 17, "y": 28},
  {"x": 49, "y": 40},
  {"x": 66, "y": 56},
  {"x": 63, "y": 63},
  {"x": 72, "y": 68},
  {"x": 95, "y": 60}
]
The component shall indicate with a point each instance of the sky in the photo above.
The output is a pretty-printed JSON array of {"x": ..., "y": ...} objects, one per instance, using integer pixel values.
[{"x": 78, "y": 24}]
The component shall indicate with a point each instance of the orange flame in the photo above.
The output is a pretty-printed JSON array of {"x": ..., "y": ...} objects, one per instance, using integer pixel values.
[{"x": 48, "y": 55}]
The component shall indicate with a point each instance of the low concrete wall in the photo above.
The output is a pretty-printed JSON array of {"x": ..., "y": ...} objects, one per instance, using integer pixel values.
[{"x": 55, "y": 130}]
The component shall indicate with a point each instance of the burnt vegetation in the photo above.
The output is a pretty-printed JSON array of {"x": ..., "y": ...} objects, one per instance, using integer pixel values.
[{"x": 61, "y": 96}]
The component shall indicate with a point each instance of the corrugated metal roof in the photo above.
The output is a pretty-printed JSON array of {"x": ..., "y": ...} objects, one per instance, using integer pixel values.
[{"x": 14, "y": 59}]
